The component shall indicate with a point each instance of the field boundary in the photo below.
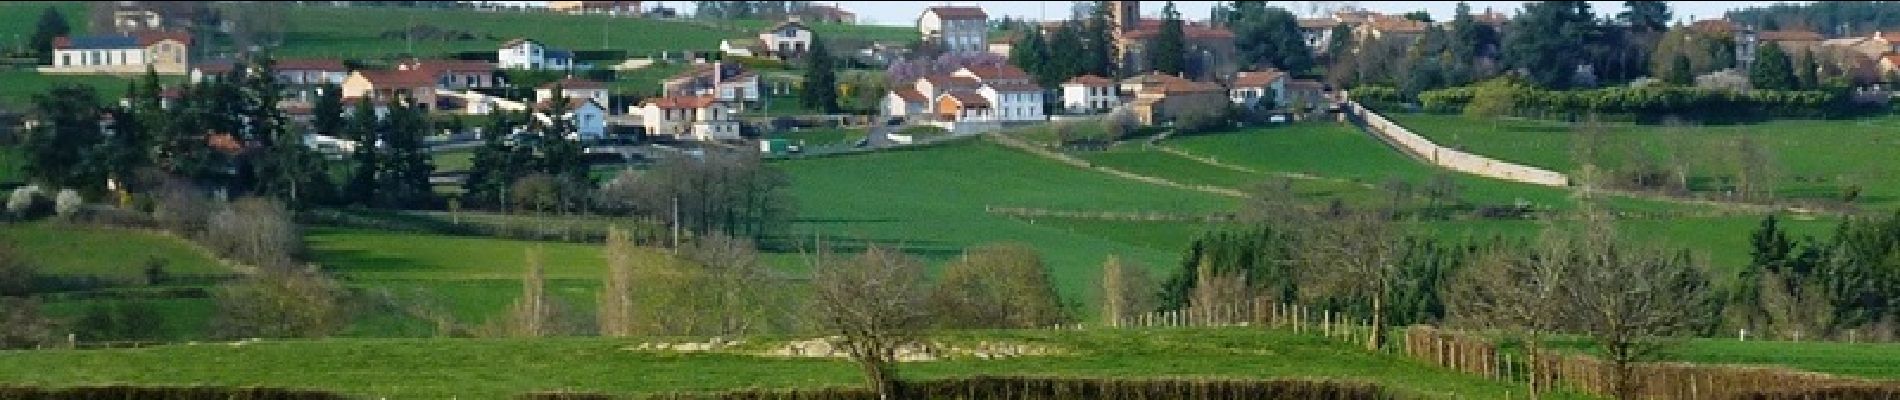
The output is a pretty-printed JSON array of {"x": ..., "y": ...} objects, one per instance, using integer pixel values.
[
  {"x": 1019, "y": 144},
  {"x": 1424, "y": 149}
]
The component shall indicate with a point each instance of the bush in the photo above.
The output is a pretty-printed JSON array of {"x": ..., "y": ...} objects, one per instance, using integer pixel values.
[
  {"x": 67, "y": 203},
  {"x": 22, "y": 326},
  {"x": 181, "y": 207},
  {"x": 16, "y": 276},
  {"x": 279, "y": 304},
  {"x": 1038, "y": 388},
  {"x": 26, "y": 202},
  {"x": 255, "y": 231},
  {"x": 1646, "y": 103}
]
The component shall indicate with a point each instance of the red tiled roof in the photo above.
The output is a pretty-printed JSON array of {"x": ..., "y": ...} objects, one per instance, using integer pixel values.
[
  {"x": 678, "y": 102},
  {"x": 1188, "y": 87},
  {"x": 147, "y": 38},
  {"x": 1305, "y": 84},
  {"x": 957, "y": 13},
  {"x": 310, "y": 64},
  {"x": 1717, "y": 26},
  {"x": 1154, "y": 78},
  {"x": 572, "y": 103},
  {"x": 1318, "y": 23},
  {"x": 224, "y": 143},
  {"x": 218, "y": 67},
  {"x": 911, "y": 95},
  {"x": 574, "y": 83},
  {"x": 1794, "y": 36},
  {"x": 515, "y": 42},
  {"x": 1090, "y": 80},
  {"x": 1258, "y": 78},
  {"x": 1889, "y": 37},
  {"x": 998, "y": 72},
  {"x": 967, "y": 98},
  {"x": 385, "y": 79},
  {"x": 1013, "y": 87},
  {"x": 951, "y": 81},
  {"x": 1399, "y": 25}
]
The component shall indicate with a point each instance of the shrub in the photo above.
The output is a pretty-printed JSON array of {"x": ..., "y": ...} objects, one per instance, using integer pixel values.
[
  {"x": 255, "y": 231},
  {"x": 22, "y": 325},
  {"x": 67, "y": 203},
  {"x": 181, "y": 207},
  {"x": 180, "y": 393},
  {"x": 26, "y": 201},
  {"x": 1038, "y": 388},
  {"x": 16, "y": 276},
  {"x": 279, "y": 304}
]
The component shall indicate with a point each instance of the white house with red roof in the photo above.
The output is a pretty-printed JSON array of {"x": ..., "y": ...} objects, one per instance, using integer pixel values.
[
  {"x": 575, "y": 88},
  {"x": 166, "y": 53},
  {"x": 689, "y": 117},
  {"x": 1089, "y": 94}
]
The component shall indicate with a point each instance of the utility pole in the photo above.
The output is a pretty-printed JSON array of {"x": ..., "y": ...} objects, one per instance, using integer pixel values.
[{"x": 676, "y": 224}]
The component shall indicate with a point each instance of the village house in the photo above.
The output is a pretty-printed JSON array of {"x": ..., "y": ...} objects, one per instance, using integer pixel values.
[
  {"x": 1748, "y": 43},
  {"x": 726, "y": 82},
  {"x": 532, "y": 55},
  {"x": 618, "y": 8},
  {"x": 1390, "y": 26},
  {"x": 955, "y": 29},
  {"x": 455, "y": 74},
  {"x": 165, "y": 53},
  {"x": 576, "y": 88},
  {"x": 1009, "y": 92},
  {"x": 1305, "y": 97},
  {"x": 963, "y": 106},
  {"x": 130, "y": 17},
  {"x": 920, "y": 98},
  {"x": 830, "y": 14},
  {"x": 743, "y": 47},
  {"x": 1089, "y": 94},
  {"x": 1259, "y": 89},
  {"x": 786, "y": 40},
  {"x": 382, "y": 86},
  {"x": 1162, "y": 98},
  {"x": 589, "y": 117},
  {"x": 699, "y": 118}
]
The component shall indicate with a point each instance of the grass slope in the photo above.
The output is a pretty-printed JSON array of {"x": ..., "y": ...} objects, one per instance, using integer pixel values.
[
  {"x": 357, "y": 32},
  {"x": 17, "y": 87},
  {"x": 932, "y": 201},
  {"x": 1817, "y": 157},
  {"x": 74, "y": 250},
  {"x": 468, "y": 368},
  {"x": 22, "y": 18}
]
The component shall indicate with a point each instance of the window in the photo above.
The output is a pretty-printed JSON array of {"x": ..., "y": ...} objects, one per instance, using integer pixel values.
[{"x": 65, "y": 59}]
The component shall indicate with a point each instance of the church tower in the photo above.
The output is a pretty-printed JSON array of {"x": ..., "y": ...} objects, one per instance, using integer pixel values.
[{"x": 1123, "y": 16}]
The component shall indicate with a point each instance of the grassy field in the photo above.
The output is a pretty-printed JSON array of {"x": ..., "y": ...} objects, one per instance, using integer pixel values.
[
  {"x": 932, "y": 201},
  {"x": 19, "y": 19},
  {"x": 1816, "y": 158},
  {"x": 356, "y": 32},
  {"x": 883, "y": 33},
  {"x": 822, "y": 137},
  {"x": 73, "y": 250},
  {"x": 21, "y": 85},
  {"x": 500, "y": 368},
  {"x": 1867, "y": 360}
]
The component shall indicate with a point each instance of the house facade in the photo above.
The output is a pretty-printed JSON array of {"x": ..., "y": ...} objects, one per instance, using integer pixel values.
[
  {"x": 955, "y": 29},
  {"x": 1089, "y": 94},
  {"x": 789, "y": 39},
  {"x": 726, "y": 82},
  {"x": 576, "y": 88},
  {"x": 1167, "y": 102},
  {"x": 163, "y": 52},
  {"x": 385, "y": 85},
  {"x": 530, "y": 54},
  {"x": 698, "y": 118},
  {"x": 624, "y": 8},
  {"x": 589, "y": 118},
  {"x": 455, "y": 74},
  {"x": 1259, "y": 89}
]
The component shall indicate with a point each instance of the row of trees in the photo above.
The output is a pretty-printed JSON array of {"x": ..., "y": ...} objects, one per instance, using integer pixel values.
[
  {"x": 1505, "y": 96},
  {"x": 1078, "y": 47}
]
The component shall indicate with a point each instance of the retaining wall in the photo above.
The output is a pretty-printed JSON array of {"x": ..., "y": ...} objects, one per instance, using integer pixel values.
[{"x": 1449, "y": 158}]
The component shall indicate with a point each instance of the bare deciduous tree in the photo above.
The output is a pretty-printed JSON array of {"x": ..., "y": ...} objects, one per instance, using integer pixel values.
[
  {"x": 1127, "y": 291},
  {"x": 256, "y": 231},
  {"x": 22, "y": 325},
  {"x": 531, "y": 316},
  {"x": 875, "y": 301},
  {"x": 1629, "y": 300},
  {"x": 1355, "y": 257},
  {"x": 1505, "y": 290},
  {"x": 1756, "y": 170},
  {"x": 279, "y": 304},
  {"x": 996, "y": 286},
  {"x": 616, "y": 292}
]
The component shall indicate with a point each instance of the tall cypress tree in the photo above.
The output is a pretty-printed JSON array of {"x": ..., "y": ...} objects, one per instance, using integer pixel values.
[
  {"x": 365, "y": 129},
  {"x": 561, "y": 153},
  {"x": 1031, "y": 53},
  {"x": 1167, "y": 52},
  {"x": 403, "y": 170},
  {"x": 1771, "y": 70},
  {"x": 820, "y": 92},
  {"x": 1097, "y": 44},
  {"x": 1068, "y": 56},
  {"x": 51, "y": 25},
  {"x": 328, "y": 112},
  {"x": 492, "y": 171}
]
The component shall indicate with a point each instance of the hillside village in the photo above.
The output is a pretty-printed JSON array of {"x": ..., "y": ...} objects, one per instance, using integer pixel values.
[{"x": 1113, "y": 200}]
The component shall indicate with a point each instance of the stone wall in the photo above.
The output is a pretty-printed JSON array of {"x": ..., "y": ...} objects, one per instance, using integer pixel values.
[{"x": 1449, "y": 158}]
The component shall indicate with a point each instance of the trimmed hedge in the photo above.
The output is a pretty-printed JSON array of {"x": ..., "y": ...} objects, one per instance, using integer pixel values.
[
  {"x": 1869, "y": 391},
  {"x": 1042, "y": 388},
  {"x": 162, "y": 393},
  {"x": 1655, "y": 102}
]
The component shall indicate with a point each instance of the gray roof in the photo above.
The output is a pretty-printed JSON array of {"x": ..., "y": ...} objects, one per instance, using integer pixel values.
[{"x": 104, "y": 42}]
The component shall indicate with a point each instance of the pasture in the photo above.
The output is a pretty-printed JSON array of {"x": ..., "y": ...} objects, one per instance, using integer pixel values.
[
  {"x": 1809, "y": 159},
  {"x": 501, "y": 368}
]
